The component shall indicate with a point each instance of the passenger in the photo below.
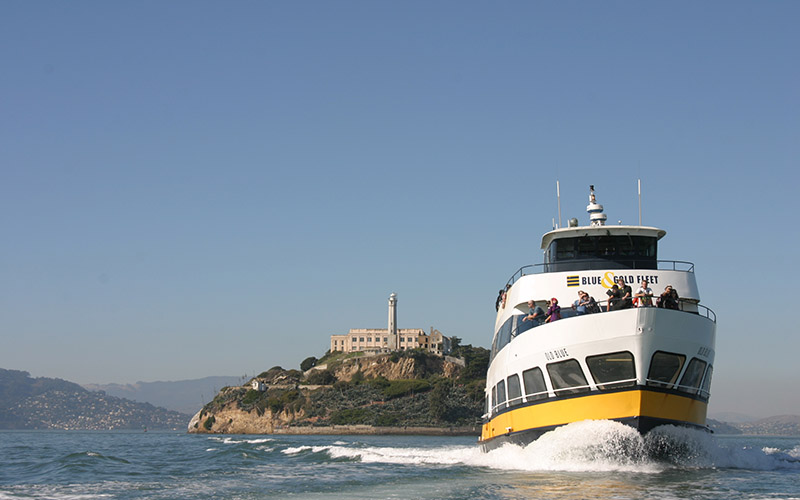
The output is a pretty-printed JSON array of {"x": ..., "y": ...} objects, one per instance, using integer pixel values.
[
  {"x": 645, "y": 295},
  {"x": 668, "y": 299},
  {"x": 626, "y": 296},
  {"x": 579, "y": 306},
  {"x": 499, "y": 300},
  {"x": 505, "y": 296},
  {"x": 554, "y": 311},
  {"x": 614, "y": 296},
  {"x": 576, "y": 305},
  {"x": 588, "y": 302},
  {"x": 535, "y": 313}
]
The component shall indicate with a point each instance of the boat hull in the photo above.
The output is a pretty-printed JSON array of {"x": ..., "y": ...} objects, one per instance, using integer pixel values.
[{"x": 640, "y": 407}]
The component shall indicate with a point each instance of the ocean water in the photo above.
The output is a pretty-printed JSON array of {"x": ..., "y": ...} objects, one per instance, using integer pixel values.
[{"x": 591, "y": 460}]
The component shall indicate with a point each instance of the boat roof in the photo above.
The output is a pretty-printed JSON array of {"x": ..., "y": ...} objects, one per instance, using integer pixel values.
[{"x": 575, "y": 232}]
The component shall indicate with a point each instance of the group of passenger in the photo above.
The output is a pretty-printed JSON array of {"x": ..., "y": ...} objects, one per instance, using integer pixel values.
[
  {"x": 620, "y": 296},
  {"x": 539, "y": 315}
]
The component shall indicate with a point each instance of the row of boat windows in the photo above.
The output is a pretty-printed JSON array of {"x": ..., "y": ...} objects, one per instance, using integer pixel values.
[
  {"x": 598, "y": 246},
  {"x": 609, "y": 371}
]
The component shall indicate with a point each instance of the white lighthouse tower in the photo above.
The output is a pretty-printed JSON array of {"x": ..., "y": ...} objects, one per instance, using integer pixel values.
[{"x": 393, "y": 344}]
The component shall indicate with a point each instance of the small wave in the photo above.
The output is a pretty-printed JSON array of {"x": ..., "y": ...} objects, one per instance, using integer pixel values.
[
  {"x": 230, "y": 440},
  {"x": 258, "y": 441},
  {"x": 294, "y": 450},
  {"x": 80, "y": 456}
]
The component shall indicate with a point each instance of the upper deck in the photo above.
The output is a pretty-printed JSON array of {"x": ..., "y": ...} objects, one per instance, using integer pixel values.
[{"x": 592, "y": 258}]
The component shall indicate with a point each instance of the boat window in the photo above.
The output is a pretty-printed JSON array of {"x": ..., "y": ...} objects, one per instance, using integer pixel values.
[
  {"x": 501, "y": 395},
  {"x": 694, "y": 374},
  {"x": 514, "y": 390},
  {"x": 503, "y": 337},
  {"x": 567, "y": 377},
  {"x": 705, "y": 390},
  {"x": 602, "y": 252},
  {"x": 614, "y": 370},
  {"x": 494, "y": 396},
  {"x": 524, "y": 326},
  {"x": 664, "y": 369},
  {"x": 534, "y": 384}
]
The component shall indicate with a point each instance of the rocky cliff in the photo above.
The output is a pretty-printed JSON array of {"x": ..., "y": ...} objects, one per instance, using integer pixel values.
[{"x": 387, "y": 392}]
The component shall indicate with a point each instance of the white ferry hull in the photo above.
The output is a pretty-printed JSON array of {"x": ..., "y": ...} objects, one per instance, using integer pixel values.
[{"x": 641, "y": 403}]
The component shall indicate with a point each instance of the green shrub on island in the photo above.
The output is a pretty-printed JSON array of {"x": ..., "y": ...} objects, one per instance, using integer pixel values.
[
  {"x": 209, "y": 423},
  {"x": 321, "y": 377},
  {"x": 308, "y": 363},
  {"x": 399, "y": 388},
  {"x": 250, "y": 397}
]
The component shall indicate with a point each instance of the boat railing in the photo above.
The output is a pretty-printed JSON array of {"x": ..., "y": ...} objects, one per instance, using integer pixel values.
[
  {"x": 683, "y": 388},
  {"x": 537, "y": 396},
  {"x": 662, "y": 265},
  {"x": 585, "y": 388},
  {"x": 685, "y": 305}
]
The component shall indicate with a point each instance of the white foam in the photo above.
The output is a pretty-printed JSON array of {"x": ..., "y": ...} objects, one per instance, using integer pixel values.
[
  {"x": 293, "y": 450},
  {"x": 258, "y": 441},
  {"x": 600, "y": 446},
  {"x": 230, "y": 440}
]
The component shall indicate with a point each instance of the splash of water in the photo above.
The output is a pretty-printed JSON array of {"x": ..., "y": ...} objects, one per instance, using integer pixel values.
[{"x": 592, "y": 445}]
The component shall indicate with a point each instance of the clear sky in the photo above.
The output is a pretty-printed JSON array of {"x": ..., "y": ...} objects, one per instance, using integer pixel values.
[{"x": 195, "y": 188}]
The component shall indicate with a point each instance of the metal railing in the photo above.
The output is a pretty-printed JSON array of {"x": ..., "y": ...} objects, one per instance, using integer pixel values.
[{"x": 683, "y": 388}]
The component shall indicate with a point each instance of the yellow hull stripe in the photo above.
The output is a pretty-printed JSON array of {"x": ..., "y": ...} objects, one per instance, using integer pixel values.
[{"x": 607, "y": 406}]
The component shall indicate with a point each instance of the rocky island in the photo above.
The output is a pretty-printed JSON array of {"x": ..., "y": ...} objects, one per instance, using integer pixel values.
[{"x": 403, "y": 392}]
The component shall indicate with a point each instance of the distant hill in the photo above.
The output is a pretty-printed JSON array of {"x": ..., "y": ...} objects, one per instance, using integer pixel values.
[
  {"x": 185, "y": 396},
  {"x": 51, "y": 403},
  {"x": 732, "y": 417},
  {"x": 722, "y": 427},
  {"x": 782, "y": 425}
]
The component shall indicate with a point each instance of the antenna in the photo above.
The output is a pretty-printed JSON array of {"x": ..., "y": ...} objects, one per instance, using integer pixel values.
[
  {"x": 558, "y": 195},
  {"x": 640, "y": 202}
]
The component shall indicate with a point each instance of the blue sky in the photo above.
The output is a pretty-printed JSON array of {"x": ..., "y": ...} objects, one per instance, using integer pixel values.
[{"x": 213, "y": 188}]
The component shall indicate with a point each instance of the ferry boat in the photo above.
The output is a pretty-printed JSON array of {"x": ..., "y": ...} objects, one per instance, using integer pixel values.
[{"x": 643, "y": 366}]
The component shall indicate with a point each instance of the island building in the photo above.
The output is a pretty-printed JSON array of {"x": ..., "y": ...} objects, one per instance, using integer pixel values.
[{"x": 391, "y": 338}]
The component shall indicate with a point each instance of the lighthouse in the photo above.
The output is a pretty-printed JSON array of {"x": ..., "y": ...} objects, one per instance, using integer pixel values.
[{"x": 393, "y": 344}]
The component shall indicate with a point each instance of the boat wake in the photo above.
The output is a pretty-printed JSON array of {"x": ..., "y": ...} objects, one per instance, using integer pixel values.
[{"x": 592, "y": 445}]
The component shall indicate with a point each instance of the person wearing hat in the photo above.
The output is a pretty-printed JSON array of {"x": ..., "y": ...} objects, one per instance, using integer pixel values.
[{"x": 554, "y": 311}]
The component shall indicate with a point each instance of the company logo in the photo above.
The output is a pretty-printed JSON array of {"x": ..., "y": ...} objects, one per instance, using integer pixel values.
[{"x": 607, "y": 279}]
